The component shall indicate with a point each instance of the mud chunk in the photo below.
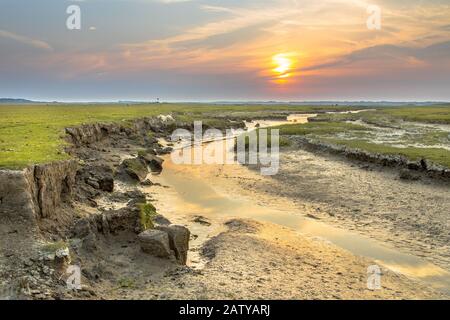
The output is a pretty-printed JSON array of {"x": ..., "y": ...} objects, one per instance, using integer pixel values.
[
  {"x": 155, "y": 243},
  {"x": 135, "y": 168},
  {"x": 147, "y": 183},
  {"x": 154, "y": 162},
  {"x": 201, "y": 220},
  {"x": 179, "y": 240},
  {"x": 125, "y": 219},
  {"x": 107, "y": 184},
  {"x": 97, "y": 178}
]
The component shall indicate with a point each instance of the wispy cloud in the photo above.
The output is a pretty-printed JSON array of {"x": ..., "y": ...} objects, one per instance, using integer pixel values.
[
  {"x": 389, "y": 55},
  {"x": 243, "y": 38},
  {"x": 175, "y": 40},
  {"x": 26, "y": 40},
  {"x": 241, "y": 18}
]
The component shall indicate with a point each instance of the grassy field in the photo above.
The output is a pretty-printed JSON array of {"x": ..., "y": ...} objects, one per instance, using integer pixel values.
[
  {"x": 435, "y": 114},
  {"x": 34, "y": 133}
]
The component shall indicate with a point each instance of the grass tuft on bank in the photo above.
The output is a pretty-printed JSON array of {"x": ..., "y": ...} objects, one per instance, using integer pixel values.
[{"x": 147, "y": 214}]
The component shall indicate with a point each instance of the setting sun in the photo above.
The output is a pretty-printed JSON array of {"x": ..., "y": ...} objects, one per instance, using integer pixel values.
[{"x": 283, "y": 65}]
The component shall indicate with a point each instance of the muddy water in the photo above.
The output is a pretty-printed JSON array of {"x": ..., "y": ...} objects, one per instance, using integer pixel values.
[{"x": 191, "y": 191}]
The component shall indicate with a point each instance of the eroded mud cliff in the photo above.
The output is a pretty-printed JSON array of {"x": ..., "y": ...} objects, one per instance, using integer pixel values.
[{"x": 88, "y": 212}]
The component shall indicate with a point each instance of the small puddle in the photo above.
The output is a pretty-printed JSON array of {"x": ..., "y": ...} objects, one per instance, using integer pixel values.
[{"x": 195, "y": 194}]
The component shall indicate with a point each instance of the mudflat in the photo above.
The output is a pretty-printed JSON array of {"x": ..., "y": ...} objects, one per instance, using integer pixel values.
[
  {"x": 412, "y": 215},
  {"x": 256, "y": 248}
]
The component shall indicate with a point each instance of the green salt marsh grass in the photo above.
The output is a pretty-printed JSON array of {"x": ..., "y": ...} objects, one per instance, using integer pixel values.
[
  {"x": 437, "y": 114},
  {"x": 436, "y": 155},
  {"x": 432, "y": 114},
  {"x": 360, "y": 136},
  {"x": 31, "y": 134}
]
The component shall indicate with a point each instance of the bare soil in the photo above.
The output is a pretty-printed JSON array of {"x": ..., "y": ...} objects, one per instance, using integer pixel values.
[{"x": 412, "y": 215}]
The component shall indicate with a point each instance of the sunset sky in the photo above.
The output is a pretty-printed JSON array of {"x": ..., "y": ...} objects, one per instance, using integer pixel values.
[{"x": 200, "y": 50}]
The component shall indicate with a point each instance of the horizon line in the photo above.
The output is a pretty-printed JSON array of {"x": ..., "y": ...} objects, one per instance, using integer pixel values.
[{"x": 219, "y": 101}]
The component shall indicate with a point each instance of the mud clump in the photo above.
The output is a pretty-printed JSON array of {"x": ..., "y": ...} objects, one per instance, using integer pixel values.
[
  {"x": 179, "y": 240},
  {"x": 201, "y": 220},
  {"x": 110, "y": 222},
  {"x": 156, "y": 243},
  {"x": 166, "y": 241},
  {"x": 135, "y": 168},
  {"x": 99, "y": 177},
  {"x": 152, "y": 160}
]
